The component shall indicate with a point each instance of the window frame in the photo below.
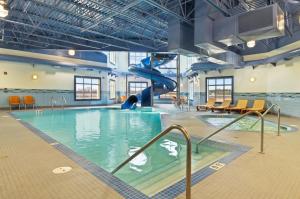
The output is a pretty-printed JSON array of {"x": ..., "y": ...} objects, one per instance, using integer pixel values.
[
  {"x": 168, "y": 66},
  {"x": 87, "y": 77},
  {"x": 112, "y": 57},
  {"x": 135, "y": 86},
  {"x": 135, "y": 56},
  {"x": 220, "y": 77},
  {"x": 110, "y": 91}
]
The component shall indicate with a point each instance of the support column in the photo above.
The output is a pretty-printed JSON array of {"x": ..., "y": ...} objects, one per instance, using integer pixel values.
[
  {"x": 178, "y": 77},
  {"x": 126, "y": 88},
  {"x": 152, "y": 82}
]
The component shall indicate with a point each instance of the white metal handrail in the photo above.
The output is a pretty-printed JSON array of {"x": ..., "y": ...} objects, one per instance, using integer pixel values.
[
  {"x": 64, "y": 101},
  {"x": 188, "y": 155},
  {"x": 234, "y": 121},
  {"x": 278, "y": 117}
]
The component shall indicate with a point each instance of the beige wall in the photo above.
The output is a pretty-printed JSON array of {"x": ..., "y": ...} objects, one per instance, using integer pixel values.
[
  {"x": 285, "y": 77},
  {"x": 19, "y": 75}
]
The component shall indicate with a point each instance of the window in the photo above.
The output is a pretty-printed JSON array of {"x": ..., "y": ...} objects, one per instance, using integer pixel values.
[
  {"x": 112, "y": 57},
  {"x": 112, "y": 89},
  {"x": 190, "y": 61},
  {"x": 191, "y": 90},
  {"x": 136, "y": 57},
  {"x": 170, "y": 65},
  {"x": 219, "y": 88},
  {"x": 87, "y": 88},
  {"x": 136, "y": 87}
]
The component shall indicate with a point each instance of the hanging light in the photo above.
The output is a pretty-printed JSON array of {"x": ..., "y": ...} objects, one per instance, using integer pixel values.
[
  {"x": 251, "y": 43},
  {"x": 71, "y": 52},
  {"x": 3, "y": 9}
]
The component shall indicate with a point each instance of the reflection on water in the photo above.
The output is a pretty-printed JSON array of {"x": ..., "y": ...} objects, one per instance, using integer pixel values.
[
  {"x": 170, "y": 146},
  {"x": 86, "y": 129},
  {"x": 139, "y": 160},
  {"x": 103, "y": 136}
]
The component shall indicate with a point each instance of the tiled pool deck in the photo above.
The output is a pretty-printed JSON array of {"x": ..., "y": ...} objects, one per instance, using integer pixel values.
[{"x": 26, "y": 164}]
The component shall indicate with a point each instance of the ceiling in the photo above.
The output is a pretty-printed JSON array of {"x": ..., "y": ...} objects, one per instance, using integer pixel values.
[{"x": 123, "y": 25}]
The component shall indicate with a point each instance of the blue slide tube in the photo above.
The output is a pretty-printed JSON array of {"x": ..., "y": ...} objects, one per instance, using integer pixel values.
[{"x": 162, "y": 84}]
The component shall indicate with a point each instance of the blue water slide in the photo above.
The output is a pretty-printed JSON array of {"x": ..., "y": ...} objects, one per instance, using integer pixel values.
[{"x": 161, "y": 85}]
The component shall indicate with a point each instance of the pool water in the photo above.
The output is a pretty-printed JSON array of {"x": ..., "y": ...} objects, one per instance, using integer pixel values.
[
  {"x": 248, "y": 123},
  {"x": 107, "y": 137}
]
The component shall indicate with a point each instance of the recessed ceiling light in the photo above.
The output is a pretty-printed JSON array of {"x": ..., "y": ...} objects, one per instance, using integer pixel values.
[{"x": 251, "y": 43}]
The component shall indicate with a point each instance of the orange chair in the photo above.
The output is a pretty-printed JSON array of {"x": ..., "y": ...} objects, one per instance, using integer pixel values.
[
  {"x": 210, "y": 103},
  {"x": 258, "y": 105},
  {"x": 29, "y": 100},
  {"x": 123, "y": 98},
  {"x": 14, "y": 101},
  {"x": 223, "y": 106},
  {"x": 240, "y": 106}
]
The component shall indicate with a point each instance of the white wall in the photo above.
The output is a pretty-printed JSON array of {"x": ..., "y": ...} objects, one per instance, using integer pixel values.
[
  {"x": 269, "y": 79},
  {"x": 19, "y": 75}
]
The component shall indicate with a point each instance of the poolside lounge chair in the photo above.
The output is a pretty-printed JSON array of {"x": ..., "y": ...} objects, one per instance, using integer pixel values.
[
  {"x": 210, "y": 103},
  {"x": 14, "y": 101},
  {"x": 258, "y": 105},
  {"x": 29, "y": 101},
  {"x": 223, "y": 106},
  {"x": 240, "y": 106}
]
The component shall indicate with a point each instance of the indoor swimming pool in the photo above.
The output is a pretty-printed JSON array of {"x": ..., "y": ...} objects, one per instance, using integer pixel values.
[
  {"x": 248, "y": 123},
  {"x": 107, "y": 137}
]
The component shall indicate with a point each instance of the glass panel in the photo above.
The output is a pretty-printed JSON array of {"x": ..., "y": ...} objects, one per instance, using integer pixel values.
[
  {"x": 112, "y": 89},
  {"x": 220, "y": 81},
  {"x": 79, "y": 80},
  {"x": 211, "y": 87},
  {"x": 211, "y": 81},
  {"x": 87, "y": 80},
  {"x": 219, "y": 90},
  {"x": 87, "y": 91},
  {"x": 228, "y": 81},
  {"x": 79, "y": 91},
  {"x": 95, "y": 81},
  {"x": 95, "y": 92}
]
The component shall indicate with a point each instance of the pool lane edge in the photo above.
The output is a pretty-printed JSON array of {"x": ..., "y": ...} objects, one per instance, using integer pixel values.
[{"x": 126, "y": 190}]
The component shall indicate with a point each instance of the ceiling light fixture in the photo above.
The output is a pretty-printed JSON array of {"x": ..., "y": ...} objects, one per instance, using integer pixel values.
[
  {"x": 71, "y": 52},
  {"x": 34, "y": 77},
  {"x": 252, "y": 79},
  {"x": 251, "y": 43}
]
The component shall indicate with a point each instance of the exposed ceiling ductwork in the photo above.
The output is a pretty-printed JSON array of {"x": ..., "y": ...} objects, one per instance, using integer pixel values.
[{"x": 222, "y": 36}]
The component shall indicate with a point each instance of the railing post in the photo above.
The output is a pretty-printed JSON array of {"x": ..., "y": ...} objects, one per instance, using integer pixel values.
[
  {"x": 188, "y": 174},
  {"x": 262, "y": 135}
]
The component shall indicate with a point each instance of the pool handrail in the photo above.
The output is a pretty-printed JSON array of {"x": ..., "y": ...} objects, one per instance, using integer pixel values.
[
  {"x": 52, "y": 102},
  {"x": 188, "y": 154},
  {"x": 234, "y": 121},
  {"x": 64, "y": 101},
  {"x": 278, "y": 117}
]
